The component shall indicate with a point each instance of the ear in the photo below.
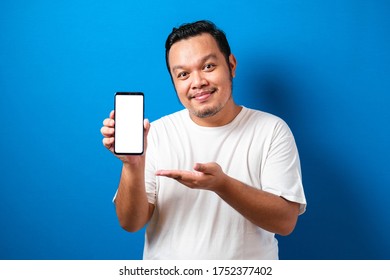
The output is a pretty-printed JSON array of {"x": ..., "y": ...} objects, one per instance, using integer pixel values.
[{"x": 232, "y": 65}]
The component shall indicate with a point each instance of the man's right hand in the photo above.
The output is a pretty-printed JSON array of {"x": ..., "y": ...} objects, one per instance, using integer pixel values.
[{"x": 108, "y": 132}]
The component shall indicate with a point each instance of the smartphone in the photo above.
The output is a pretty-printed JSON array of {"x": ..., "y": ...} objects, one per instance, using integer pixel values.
[{"x": 129, "y": 123}]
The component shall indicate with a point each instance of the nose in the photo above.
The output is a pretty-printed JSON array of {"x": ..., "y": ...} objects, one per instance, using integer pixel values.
[{"x": 198, "y": 80}]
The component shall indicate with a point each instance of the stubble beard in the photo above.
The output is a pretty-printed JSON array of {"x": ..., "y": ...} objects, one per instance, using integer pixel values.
[{"x": 210, "y": 111}]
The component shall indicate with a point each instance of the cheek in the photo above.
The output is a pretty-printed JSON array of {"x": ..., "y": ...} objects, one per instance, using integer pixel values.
[
  {"x": 223, "y": 83},
  {"x": 221, "y": 78},
  {"x": 181, "y": 89}
]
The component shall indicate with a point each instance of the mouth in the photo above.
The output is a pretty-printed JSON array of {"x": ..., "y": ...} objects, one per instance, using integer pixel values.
[{"x": 203, "y": 95}]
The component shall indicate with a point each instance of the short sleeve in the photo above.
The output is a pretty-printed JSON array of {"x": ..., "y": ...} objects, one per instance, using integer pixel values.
[
  {"x": 150, "y": 166},
  {"x": 281, "y": 172}
]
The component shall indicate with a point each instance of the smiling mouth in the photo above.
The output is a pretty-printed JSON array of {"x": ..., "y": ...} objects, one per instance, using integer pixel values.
[{"x": 203, "y": 95}]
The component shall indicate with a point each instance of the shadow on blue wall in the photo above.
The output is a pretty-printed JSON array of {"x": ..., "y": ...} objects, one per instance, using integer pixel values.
[{"x": 336, "y": 224}]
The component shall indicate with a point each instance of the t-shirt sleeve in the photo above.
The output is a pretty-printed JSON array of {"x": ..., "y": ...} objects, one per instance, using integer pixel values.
[
  {"x": 281, "y": 174},
  {"x": 150, "y": 167}
]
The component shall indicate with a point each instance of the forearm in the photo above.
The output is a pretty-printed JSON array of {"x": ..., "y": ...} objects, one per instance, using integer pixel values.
[
  {"x": 132, "y": 207},
  {"x": 266, "y": 210}
]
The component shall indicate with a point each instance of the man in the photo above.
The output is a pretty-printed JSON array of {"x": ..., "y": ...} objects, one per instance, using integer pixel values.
[{"x": 217, "y": 180}]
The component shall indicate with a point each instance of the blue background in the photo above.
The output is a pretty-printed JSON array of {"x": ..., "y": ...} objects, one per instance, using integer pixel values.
[{"x": 323, "y": 66}]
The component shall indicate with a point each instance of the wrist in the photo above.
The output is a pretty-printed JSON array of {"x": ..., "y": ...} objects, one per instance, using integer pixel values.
[
  {"x": 132, "y": 161},
  {"x": 223, "y": 184},
  {"x": 135, "y": 167}
]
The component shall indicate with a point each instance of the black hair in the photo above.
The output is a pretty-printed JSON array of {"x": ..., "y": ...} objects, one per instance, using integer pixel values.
[{"x": 189, "y": 30}]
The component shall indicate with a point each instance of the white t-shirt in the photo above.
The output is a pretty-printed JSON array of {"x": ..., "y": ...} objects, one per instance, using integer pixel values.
[{"x": 256, "y": 148}]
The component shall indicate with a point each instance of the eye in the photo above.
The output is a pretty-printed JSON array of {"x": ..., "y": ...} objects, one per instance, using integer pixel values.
[
  {"x": 209, "y": 67},
  {"x": 182, "y": 75}
]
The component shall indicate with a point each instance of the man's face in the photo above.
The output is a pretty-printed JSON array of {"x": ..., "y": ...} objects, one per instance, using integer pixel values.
[{"x": 201, "y": 75}]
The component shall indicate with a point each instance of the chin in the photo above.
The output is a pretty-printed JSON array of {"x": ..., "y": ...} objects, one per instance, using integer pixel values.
[{"x": 206, "y": 112}]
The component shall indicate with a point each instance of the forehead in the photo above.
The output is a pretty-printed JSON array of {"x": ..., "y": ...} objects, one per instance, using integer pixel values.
[{"x": 193, "y": 48}]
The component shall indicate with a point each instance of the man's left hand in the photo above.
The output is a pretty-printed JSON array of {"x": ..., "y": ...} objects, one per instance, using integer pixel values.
[{"x": 207, "y": 176}]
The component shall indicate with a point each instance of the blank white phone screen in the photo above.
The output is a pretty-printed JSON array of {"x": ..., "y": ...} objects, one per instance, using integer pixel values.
[{"x": 129, "y": 118}]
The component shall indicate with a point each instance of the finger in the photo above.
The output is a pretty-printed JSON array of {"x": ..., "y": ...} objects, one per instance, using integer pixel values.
[
  {"x": 109, "y": 122},
  {"x": 112, "y": 114},
  {"x": 200, "y": 167},
  {"x": 207, "y": 168},
  {"x": 107, "y": 131},
  {"x": 146, "y": 127},
  {"x": 183, "y": 176},
  {"x": 108, "y": 142},
  {"x": 162, "y": 172},
  {"x": 146, "y": 124},
  {"x": 174, "y": 174}
]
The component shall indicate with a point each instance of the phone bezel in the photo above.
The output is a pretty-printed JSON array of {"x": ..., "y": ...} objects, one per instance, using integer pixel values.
[{"x": 143, "y": 117}]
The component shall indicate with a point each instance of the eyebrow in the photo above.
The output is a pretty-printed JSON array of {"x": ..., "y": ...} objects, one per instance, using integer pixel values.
[{"x": 202, "y": 60}]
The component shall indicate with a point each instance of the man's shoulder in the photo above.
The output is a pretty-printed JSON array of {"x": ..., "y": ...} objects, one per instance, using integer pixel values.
[{"x": 255, "y": 115}]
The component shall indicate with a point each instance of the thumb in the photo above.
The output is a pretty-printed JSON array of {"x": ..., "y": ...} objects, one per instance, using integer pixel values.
[{"x": 207, "y": 168}]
